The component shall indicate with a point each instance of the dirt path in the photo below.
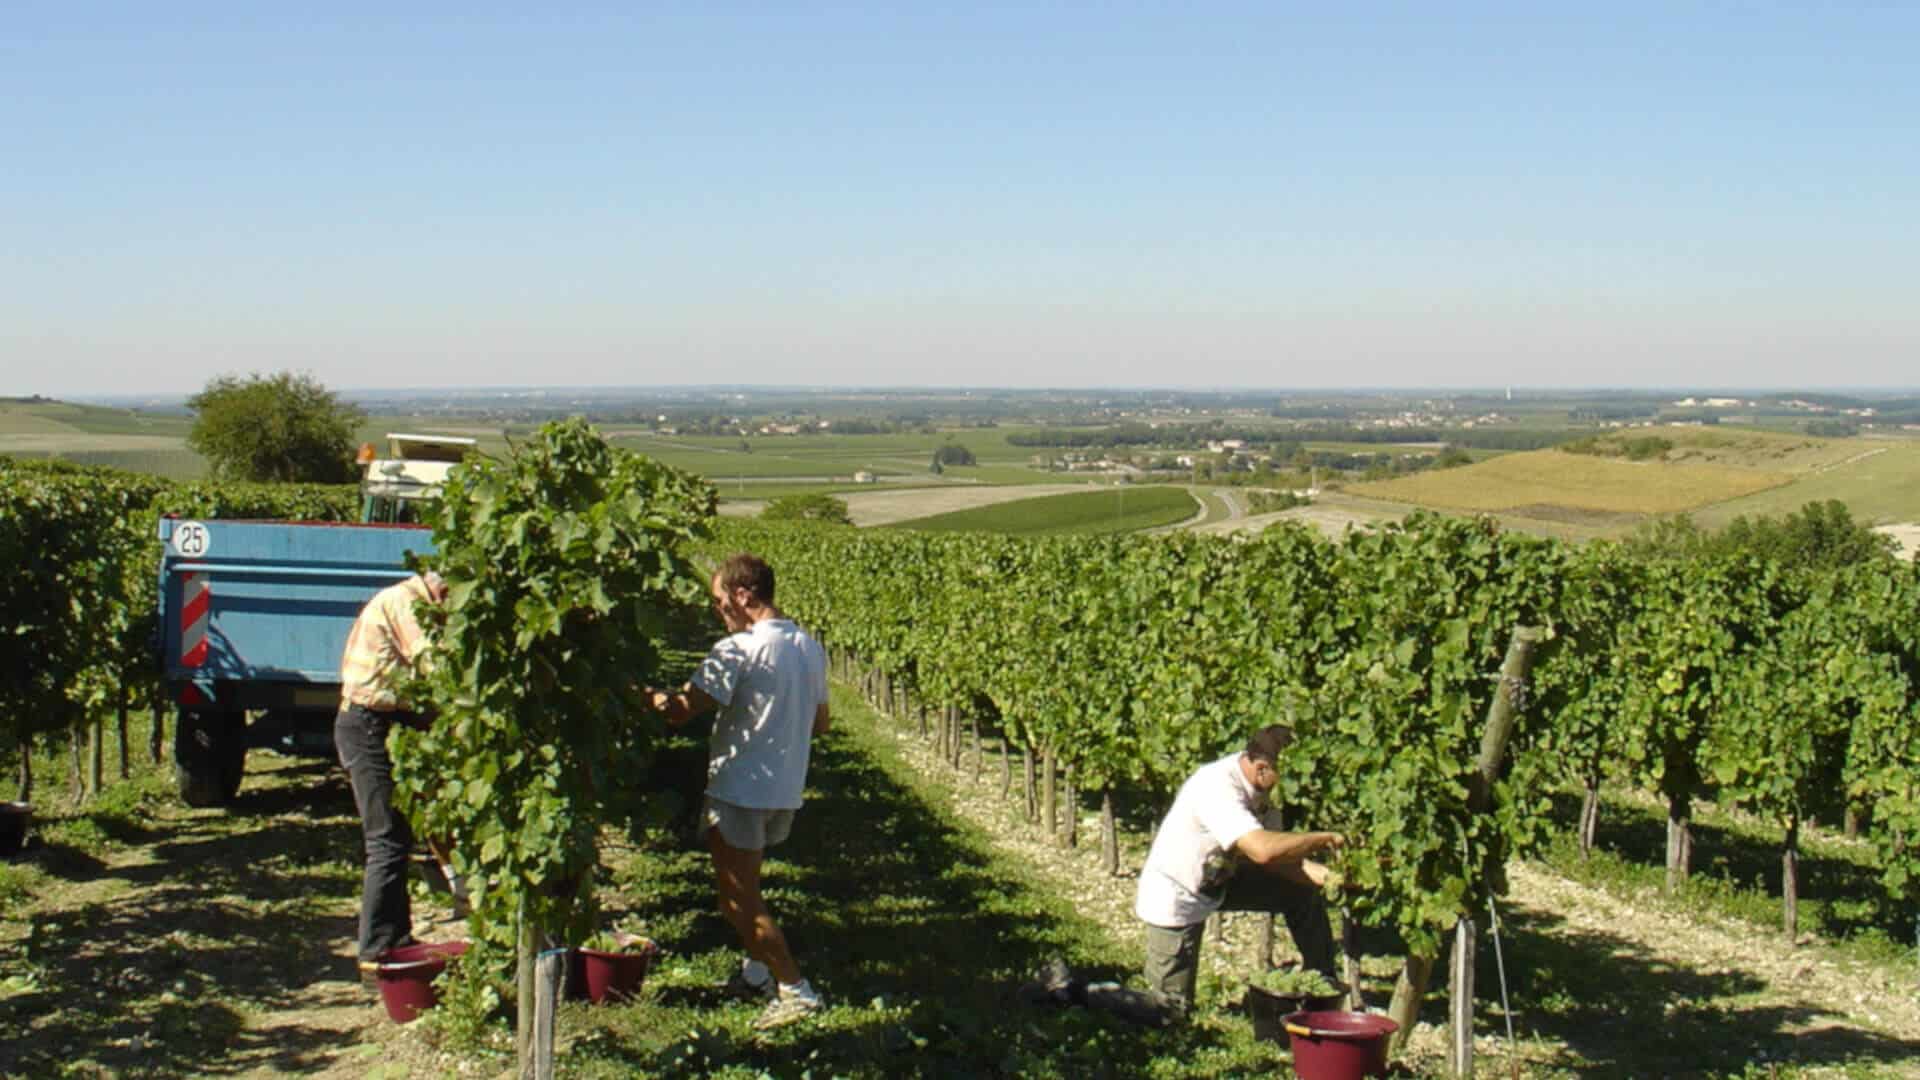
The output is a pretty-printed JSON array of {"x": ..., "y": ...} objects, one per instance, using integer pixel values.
[
  {"x": 1817, "y": 1005},
  {"x": 1906, "y": 537},
  {"x": 1332, "y": 521},
  {"x": 886, "y": 507},
  {"x": 175, "y": 941}
]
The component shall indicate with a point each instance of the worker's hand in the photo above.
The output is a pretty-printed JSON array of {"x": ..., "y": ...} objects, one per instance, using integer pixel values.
[
  {"x": 1328, "y": 841},
  {"x": 1315, "y": 873},
  {"x": 661, "y": 702}
]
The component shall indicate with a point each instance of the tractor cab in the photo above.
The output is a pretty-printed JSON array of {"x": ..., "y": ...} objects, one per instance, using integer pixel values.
[{"x": 397, "y": 488}]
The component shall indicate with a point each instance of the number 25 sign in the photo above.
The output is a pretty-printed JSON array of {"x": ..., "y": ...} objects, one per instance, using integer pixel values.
[{"x": 191, "y": 539}]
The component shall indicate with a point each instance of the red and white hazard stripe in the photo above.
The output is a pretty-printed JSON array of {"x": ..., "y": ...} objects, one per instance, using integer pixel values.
[{"x": 196, "y": 598}]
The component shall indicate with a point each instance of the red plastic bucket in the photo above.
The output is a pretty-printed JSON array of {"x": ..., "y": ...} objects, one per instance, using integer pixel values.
[
  {"x": 615, "y": 976},
  {"x": 406, "y": 977},
  {"x": 1339, "y": 1045}
]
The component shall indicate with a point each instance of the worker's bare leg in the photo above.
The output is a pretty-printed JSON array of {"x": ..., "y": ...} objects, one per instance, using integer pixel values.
[{"x": 737, "y": 875}]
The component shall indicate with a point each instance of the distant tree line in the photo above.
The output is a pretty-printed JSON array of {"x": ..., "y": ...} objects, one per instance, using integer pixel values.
[
  {"x": 1633, "y": 448},
  {"x": 1117, "y": 435},
  {"x": 1137, "y": 434},
  {"x": 1832, "y": 429},
  {"x": 1603, "y": 413}
]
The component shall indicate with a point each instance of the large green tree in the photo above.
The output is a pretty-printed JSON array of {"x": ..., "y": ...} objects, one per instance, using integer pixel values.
[
  {"x": 283, "y": 427},
  {"x": 808, "y": 508}
]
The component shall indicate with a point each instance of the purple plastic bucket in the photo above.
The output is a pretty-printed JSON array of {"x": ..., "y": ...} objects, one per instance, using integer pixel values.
[
  {"x": 1339, "y": 1045},
  {"x": 615, "y": 976},
  {"x": 406, "y": 977}
]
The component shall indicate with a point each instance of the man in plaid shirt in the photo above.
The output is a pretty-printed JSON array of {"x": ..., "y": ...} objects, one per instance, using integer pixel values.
[{"x": 385, "y": 639}]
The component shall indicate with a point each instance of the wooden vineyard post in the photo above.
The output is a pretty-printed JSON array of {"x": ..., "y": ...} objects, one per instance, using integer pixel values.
[
  {"x": 1589, "y": 817},
  {"x": 96, "y": 755},
  {"x": 1460, "y": 994},
  {"x": 973, "y": 717},
  {"x": 1266, "y": 943},
  {"x": 525, "y": 980},
  {"x": 549, "y": 976},
  {"x": 1071, "y": 834},
  {"x": 1026, "y": 764},
  {"x": 1790, "y": 880},
  {"x": 1350, "y": 957},
  {"x": 156, "y": 738},
  {"x": 1110, "y": 833},
  {"x": 1050, "y": 795},
  {"x": 1502, "y": 713},
  {"x": 126, "y": 755}
]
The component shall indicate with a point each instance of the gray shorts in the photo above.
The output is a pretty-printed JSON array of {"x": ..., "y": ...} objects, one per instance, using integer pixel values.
[{"x": 745, "y": 827}]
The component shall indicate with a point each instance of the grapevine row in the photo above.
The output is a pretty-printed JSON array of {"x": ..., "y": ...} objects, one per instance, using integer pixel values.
[{"x": 1132, "y": 661}]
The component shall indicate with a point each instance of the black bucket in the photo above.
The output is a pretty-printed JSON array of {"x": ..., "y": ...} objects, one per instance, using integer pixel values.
[
  {"x": 1269, "y": 1010},
  {"x": 14, "y": 818}
]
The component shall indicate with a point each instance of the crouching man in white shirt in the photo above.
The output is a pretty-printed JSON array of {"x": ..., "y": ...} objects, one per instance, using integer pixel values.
[{"x": 1212, "y": 854}]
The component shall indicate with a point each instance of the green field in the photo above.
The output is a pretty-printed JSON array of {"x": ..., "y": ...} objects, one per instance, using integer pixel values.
[
  {"x": 1122, "y": 509},
  {"x": 1713, "y": 474},
  {"x": 91, "y": 435},
  {"x": 1879, "y": 482},
  {"x": 60, "y": 418},
  {"x": 1556, "y": 480},
  {"x": 824, "y": 456}
]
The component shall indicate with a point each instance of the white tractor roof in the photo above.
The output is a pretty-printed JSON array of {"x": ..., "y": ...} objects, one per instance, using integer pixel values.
[{"x": 447, "y": 448}]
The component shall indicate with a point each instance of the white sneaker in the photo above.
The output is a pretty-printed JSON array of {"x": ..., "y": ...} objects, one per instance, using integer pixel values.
[{"x": 788, "y": 1009}]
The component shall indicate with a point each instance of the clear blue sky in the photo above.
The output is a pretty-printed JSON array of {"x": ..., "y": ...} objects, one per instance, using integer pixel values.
[{"x": 1267, "y": 194}]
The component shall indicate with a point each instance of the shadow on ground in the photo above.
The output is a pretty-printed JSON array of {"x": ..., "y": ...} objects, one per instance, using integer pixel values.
[
  {"x": 1622, "y": 1011},
  {"x": 160, "y": 966},
  {"x": 910, "y": 927},
  {"x": 1838, "y": 897}
]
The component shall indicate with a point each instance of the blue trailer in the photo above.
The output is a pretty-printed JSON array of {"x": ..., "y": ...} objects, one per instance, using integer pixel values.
[{"x": 253, "y": 618}]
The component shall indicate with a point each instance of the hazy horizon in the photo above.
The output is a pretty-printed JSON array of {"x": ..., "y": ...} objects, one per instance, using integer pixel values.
[{"x": 1229, "y": 196}]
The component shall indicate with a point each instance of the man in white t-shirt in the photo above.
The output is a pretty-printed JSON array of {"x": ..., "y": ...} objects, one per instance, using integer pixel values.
[
  {"x": 1213, "y": 854},
  {"x": 768, "y": 679}
]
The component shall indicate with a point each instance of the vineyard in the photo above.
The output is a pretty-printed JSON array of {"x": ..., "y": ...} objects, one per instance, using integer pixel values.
[
  {"x": 80, "y": 603},
  {"x": 1447, "y": 681},
  {"x": 1125, "y": 664}
]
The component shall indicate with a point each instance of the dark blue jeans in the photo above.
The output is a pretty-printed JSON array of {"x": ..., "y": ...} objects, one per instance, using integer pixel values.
[{"x": 386, "y": 914}]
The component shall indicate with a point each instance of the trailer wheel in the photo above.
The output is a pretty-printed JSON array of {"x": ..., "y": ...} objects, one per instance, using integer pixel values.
[{"x": 209, "y": 756}]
